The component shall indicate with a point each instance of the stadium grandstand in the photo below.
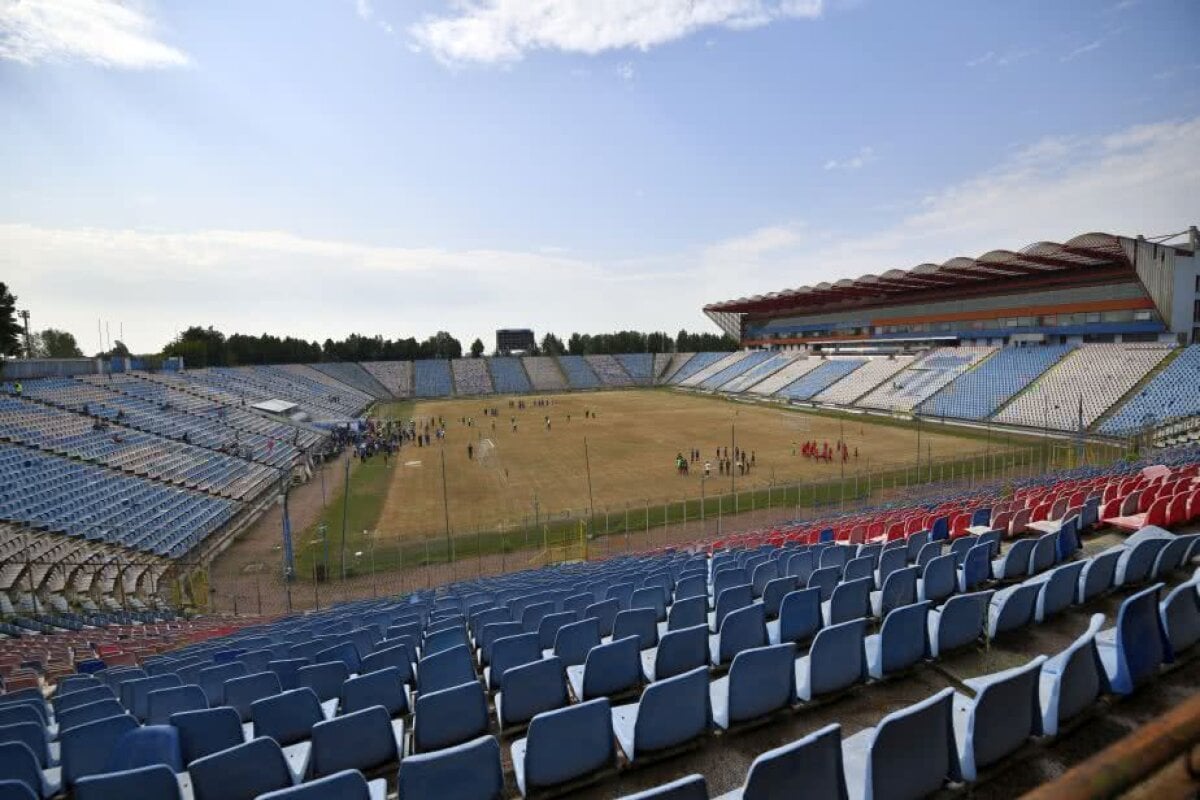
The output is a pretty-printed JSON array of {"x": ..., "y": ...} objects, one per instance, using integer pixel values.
[{"x": 1037, "y": 597}]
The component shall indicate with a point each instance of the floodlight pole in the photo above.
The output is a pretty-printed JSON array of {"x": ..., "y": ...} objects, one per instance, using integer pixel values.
[
  {"x": 345, "y": 511},
  {"x": 587, "y": 464}
]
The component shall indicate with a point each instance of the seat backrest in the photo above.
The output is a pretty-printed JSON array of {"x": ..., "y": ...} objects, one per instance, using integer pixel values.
[
  {"x": 1098, "y": 574},
  {"x": 153, "y": 782},
  {"x": 18, "y": 764},
  {"x": 801, "y": 566},
  {"x": 763, "y": 574},
  {"x": 890, "y": 560},
  {"x": 398, "y": 657},
  {"x": 493, "y": 631},
  {"x": 826, "y": 579},
  {"x": 835, "y": 556},
  {"x": 32, "y": 735},
  {"x": 900, "y": 589},
  {"x": 680, "y": 651},
  {"x": 512, "y": 651},
  {"x": 532, "y": 616},
  {"x": 347, "y": 654},
  {"x": 639, "y": 622},
  {"x": 903, "y": 638},
  {"x": 85, "y": 749},
  {"x": 325, "y": 678},
  {"x": 572, "y": 642},
  {"x": 761, "y": 680},
  {"x": 449, "y": 716},
  {"x": 1058, "y": 590},
  {"x": 471, "y": 769},
  {"x": 814, "y": 762},
  {"x": 206, "y": 731},
  {"x": 162, "y": 703},
  {"x": 383, "y": 687},
  {"x": 361, "y": 740},
  {"x": 287, "y": 717},
  {"x": 800, "y": 615},
  {"x": 741, "y": 630},
  {"x": 726, "y": 578},
  {"x": 692, "y": 586},
  {"x": 16, "y": 713},
  {"x": 133, "y": 693},
  {"x": 1080, "y": 674},
  {"x": 897, "y": 768},
  {"x": 286, "y": 669},
  {"x": 937, "y": 578},
  {"x": 256, "y": 660},
  {"x": 531, "y": 689},
  {"x": 1181, "y": 616},
  {"x": 242, "y": 772},
  {"x": 1139, "y": 641},
  {"x": 212, "y": 680},
  {"x": 850, "y": 600},
  {"x": 960, "y": 621},
  {"x": 690, "y": 787},
  {"x": 1005, "y": 713},
  {"x": 82, "y": 715},
  {"x": 837, "y": 659},
  {"x": 976, "y": 566},
  {"x": 80, "y": 698},
  {"x": 1045, "y": 550},
  {"x": 606, "y": 612},
  {"x": 774, "y": 593},
  {"x": 673, "y": 711},
  {"x": 611, "y": 668},
  {"x": 145, "y": 746},
  {"x": 1013, "y": 607},
  {"x": 241, "y": 692},
  {"x": 345, "y": 785},
  {"x": 568, "y": 742},
  {"x": 860, "y": 567},
  {"x": 650, "y": 597},
  {"x": 1015, "y": 563},
  {"x": 551, "y": 624},
  {"x": 445, "y": 669}
]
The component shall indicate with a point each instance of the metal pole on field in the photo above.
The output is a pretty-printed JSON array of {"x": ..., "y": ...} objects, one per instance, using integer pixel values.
[
  {"x": 587, "y": 463},
  {"x": 446, "y": 506},
  {"x": 345, "y": 510}
]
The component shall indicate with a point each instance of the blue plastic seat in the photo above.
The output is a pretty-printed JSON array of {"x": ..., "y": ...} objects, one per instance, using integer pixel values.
[
  {"x": 162, "y": 703},
  {"x": 891, "y": 559},
  {"x": 135, "y": 692},
  {"x": 206, "y": 731},
  {"x": 799, "y": 617},
  {"x": 650, "y": 597},
  {"x": 469, "y": 771},
  {"x": 958, "y": 623},
  {"x": 285, "y": 669},
  {"x": 1180, "y": 614},
  {"x": 800, "y": 565},
  {"x": 346, "y": 653},
  {"x": 774, "y": 592},
  {"x": 345, "y": 785},
  {"x": 242, "y": 772},
  {"x": 860, "y": 567},
  {"x": 75, "y": 699},
  {"x": 212, "y": 680},
  {"x": 1072, "y": 680},
  {"x": 153, "y": 782},
  {"x": 608, "y": 669},
  {"x": 678, "y": 651},
  {"x": 563, "y": 746},
  {"x": 397, "y": 656},
  {"x": 910, "y": 753},
  {"x": 899, "y": 589},
  {"x": 976, "y": 567},
  {"x": 82, "y": 715},
  {"x": 1135, "y": 563},
  {"x": 902, "y": 641},
  {"x": 814, "y": 762},
  {"x": 670, "y": 713},
  {"x": 760, "y": 680},
  {"x": 509, "y": 652},
  {"x": 256, "y": 661},
  {"x": 728, "y": 601},
  {"x": 445, "y": 669},
  {"x": 850, "y": 600},
  {"x": 826, "y": 580},
  {"x": 1011, "y": 608},
  {"x": 383, "y": 687},
  {"x": 15, "y": 713},
  {"x": 449, "y": 716},
  {"x": 86, "y": 749},
  {"x": 288, "y": 718},
  {"x": 18, "y": 764},
  {"x": 639, "y": 622},
  {"x": 146, "y": 746},
  {"x": 33, "y": 736},
  {"x": 325, "y": 679},
  {"x": 605, "y": 612},
  {"x": 1002, "y": 716},
  {"x": 835, "y": 661},
  {"x": 241, "y": 692},
  {"x": 762, "y": 575},
  {"x": 550, "y": 626},
  {"x": 689, "y": 787},
  {"x": 1056, "y": 589},
  {"x": 1097, "y": 576},
  {"x": 491, "y": 633},
  {"x": 1134, "y": 649},
  {"x": 688, "y": 612},
  {"x": 573, "y": 641},
  {"x": 364, "y": 740},
  {"x": 937, "y": 581},
  {"x": 531, "y": 689},
  {"x": 740, "y": 630}
]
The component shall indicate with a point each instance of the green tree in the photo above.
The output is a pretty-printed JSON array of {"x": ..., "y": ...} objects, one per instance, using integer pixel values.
[
  {"x": 53, "y": 343},
  {"x": 200, "y": 347},
  {"x": 10, "y": 330},
  {"x": 552, "y": 346},
  {"x": 476, "y": 348}
]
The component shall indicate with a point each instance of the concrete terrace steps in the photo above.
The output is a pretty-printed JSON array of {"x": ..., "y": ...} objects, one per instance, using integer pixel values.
[
  {"x": 959, "y": 377},
  {"x": 673, "y": 365},
  {"x": 694, "y": 380},
  {"x": 875, "y": 383},
  {"x": 761, "y": 372},
  {"x": 1136, "y": 388}
]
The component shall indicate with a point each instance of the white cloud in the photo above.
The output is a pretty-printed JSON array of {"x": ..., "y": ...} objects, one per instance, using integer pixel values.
[
  {"x": 625, "y": 71},
  {"x": 500, "y": 31},
  {"x": 289, "y": 283},
  {"x": 363, "y": 8},
  {"x": 864, "y": 156},
  {"x": 994, "y": 59},
  {"x": 1095, "y": 44},
  {"x": 104, "y": 32}
]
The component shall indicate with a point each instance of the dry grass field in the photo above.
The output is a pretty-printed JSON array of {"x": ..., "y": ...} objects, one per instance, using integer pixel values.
[{"x": 631, "y": 445}]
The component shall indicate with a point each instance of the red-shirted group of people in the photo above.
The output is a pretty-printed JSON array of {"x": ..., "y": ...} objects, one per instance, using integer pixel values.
[{"x": 823, "y": 452}]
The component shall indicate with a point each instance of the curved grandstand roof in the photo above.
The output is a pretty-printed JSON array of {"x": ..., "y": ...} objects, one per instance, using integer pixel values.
[{"x": 1088, "y": 251}]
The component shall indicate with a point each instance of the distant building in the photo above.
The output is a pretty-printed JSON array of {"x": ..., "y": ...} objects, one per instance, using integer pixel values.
[{"x": 515, "y": 340}]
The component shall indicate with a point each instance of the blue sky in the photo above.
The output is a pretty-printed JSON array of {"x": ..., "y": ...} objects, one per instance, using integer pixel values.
[{"x": 386, "y": 167}]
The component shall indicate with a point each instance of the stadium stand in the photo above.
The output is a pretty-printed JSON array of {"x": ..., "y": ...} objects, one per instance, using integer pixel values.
[
  {"x": 544, "y": 373},
  {"x": 248, "y": 385},
  {"x": 817, "y": 380},
  {"x": 907, "y": 389},
  {"x": 772, "y": 384},
  {"x": 579, "y": 374},
  {"x": 471, "y": 376},
  {"x": 862, "y": 380},
  {"x": 666, "y": 366},
  {"x": 640, "y": 367},
  {"x": 56, "y": 431},
  {"x": 1081, "y": 387},
  {"x": 395, "y": 376},
  {"x": 724, "y": 362},
  {"x": 748, "y": 361},
  {"x": 508, "y": 375},
  {"x": 355, "y": 375},
  {"x": 758, "y": 372},
  {"x": 299, "y": 736},
  {"x": 693, "y": 365},
  {"x": 431, "y": 378},
  {"x": 164, "y": 419},
  {"x": 979, "y": 393},
  {"x": 1171, "y": 394},
  {"x": 609, "y": 370}
]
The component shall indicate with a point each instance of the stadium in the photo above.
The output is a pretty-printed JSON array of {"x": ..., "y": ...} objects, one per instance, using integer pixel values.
[{"x": 346, "y": 452}]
